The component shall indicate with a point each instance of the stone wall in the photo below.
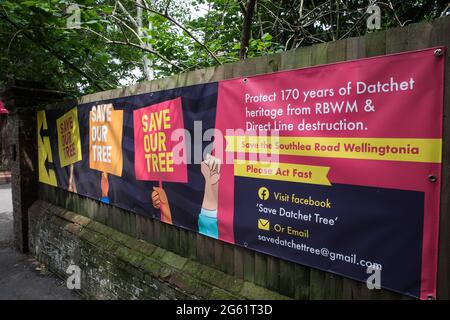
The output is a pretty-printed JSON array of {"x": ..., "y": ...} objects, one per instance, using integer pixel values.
[{"x": 116, "y": 266}]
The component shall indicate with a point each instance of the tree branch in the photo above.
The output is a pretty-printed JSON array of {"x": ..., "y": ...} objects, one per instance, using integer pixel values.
[
  {"x": 175, "y": 22},
  {"x": 42, "y": 44},
  {"x": 246, "y": 28},
  {"x": 135, "y": 45}
]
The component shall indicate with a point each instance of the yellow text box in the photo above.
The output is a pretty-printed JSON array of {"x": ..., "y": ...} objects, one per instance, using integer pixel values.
[
  {"x": 69, "y": 145},
  {"x": 282, "y": 172},
  {"x": 390, "y": 149}
]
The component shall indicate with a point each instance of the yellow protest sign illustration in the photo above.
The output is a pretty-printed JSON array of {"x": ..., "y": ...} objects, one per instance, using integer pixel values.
[
  {"x": 69, "y": 145},
  {"x": 105, "y": 139}
]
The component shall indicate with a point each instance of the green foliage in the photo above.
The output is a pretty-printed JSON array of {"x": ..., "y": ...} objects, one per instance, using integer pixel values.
[{"x": 108, "y": 51}]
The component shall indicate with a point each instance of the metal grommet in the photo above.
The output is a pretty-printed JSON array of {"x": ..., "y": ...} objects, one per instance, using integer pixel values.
[
  {"x": 430, "y": 297},
  {"x": 245, "y": 80},
  {"x": 432, "y": 178},
  {"x": 438, "y": 52},
  {"x": 245, "y": 244}
]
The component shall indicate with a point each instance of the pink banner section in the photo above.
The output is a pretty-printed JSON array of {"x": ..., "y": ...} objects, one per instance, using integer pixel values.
[
  {"x": 156, "y": 155},
  {"x": 374, "y": 122}
]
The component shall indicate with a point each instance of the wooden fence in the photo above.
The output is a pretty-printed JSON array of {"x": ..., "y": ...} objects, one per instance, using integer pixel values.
[{"x": 285, "y": 277}]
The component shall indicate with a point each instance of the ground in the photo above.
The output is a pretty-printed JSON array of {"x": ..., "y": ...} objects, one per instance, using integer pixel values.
[{"x": 21, "y": 276}]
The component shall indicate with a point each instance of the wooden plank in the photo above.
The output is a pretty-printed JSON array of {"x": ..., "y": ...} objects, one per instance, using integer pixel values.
[
  {"x": 329, "y": 285},
  {"x": 227, "y": 261},
  {"x": 173, "y": 233},
  {"x": 219, "y": 73},
  {"x": 303, "y": 57},
  {"x": 218, "y": 254},
  {"x": 181, "y": 79},
  {"x": 337, "y": 51},
  {"x": 238, "y": 269},
  {"x": 333, "y": 285},
  {"x": 288, "y": 60},
  {"x": 249, "y": 265},
  {"x": 150, "y": 230},
  {"x": 355, "y": 48},
  {"x": 273, "y": 273},
  {"x": 375, "y": 43},
  {"x": 192, "y": 247},
  {"x": 164, "y": 236},
  {"x": 114, "y": 219},
  {"x": 261, "y": 269},
  {"x": 301, "y": 282},
  {"x": 91, "y": 208},
  {"x": 273, "y": 63},
  {"x": 396, "y": 40},
  {"x": 245, "y": 68},
  {"x": 201, "y": 250},
  {"x": 209, "y": 251},
  {"x": 261, "y": 65},
  {"x": 184, "y": 243},
  {"x": 100, "y": 213},
  {"x": 338, "y": 288},
  {"x": 227, "y": 71},
  {"x": 287, "y": 278},
  {"x": 125, "y": 222},
  {"x": 319, "y": 54},
  {"x": 157, "y": 232},
  {"x": 317, "y": 280},
  {"x": 132, "y": 224},
  {"x": 347, "y": 288},
  {"x": 420, "y": 35},
  {"x": 209, "y": 74},
  {"x": 140, "y": 224}
]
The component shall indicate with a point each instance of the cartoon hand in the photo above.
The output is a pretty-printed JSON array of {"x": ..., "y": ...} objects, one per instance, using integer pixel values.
[
  {"x": 105, "y": 184},
  {"x": 158, "y": 196},
  {"x": 210, "y": 168},
  {"x": 72, "y": 187},
  {"x": 159, "y": 201}
]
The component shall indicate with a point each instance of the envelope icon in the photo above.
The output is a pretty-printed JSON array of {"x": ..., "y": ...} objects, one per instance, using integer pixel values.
[{"x": 263, "y": 224}]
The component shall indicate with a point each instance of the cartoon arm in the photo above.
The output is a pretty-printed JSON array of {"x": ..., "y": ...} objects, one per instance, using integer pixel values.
[
  {"x": 207, "y": 219},
  {"x": 160, "y": 201},
  {"x": 72, "y": 187},
  {"x": 105, "y": 188}
]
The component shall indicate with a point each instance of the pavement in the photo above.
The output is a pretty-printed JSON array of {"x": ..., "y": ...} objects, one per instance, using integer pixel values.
[{"x": 21, "y": 276}]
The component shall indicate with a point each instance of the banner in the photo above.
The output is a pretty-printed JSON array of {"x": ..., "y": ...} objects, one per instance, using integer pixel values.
[{"x": 336, "y": 167}]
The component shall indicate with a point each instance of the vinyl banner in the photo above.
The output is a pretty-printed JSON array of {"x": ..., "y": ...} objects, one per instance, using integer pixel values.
[{"x": 336, "y": 167}]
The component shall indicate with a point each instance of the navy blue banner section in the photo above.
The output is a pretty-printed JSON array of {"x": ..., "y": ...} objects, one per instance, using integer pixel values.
[
  {"x": 356, "y": 231},
  {"x": 198, "y": 104}
]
